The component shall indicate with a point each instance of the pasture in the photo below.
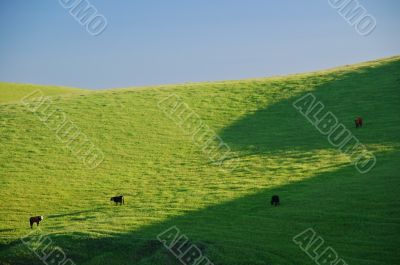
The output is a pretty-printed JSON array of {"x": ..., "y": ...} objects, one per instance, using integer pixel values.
[{"x": 168, "y": 181}]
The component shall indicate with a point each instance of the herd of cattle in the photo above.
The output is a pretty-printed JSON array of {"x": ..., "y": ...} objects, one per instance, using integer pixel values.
[
  {"x": 37, "y": 219},
  {"x": 120, "y": 200},
  {"x": 275, "y": 201}
]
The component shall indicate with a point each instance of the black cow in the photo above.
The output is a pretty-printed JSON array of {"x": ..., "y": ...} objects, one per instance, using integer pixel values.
[
  {"x": 118, "y": 199},
  {"x": 36, "y": 220},
  {"x": 275, "y": 200}
]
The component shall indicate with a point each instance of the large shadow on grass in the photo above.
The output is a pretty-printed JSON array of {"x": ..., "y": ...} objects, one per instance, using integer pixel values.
[
  {"x": 280, "y": 126},
  {"x": 338, "y": 205}
]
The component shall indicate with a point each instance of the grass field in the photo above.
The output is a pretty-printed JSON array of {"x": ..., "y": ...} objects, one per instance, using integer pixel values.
[
  {"x": 168, "y": 181},
  {"x": 12, "y": 93}
]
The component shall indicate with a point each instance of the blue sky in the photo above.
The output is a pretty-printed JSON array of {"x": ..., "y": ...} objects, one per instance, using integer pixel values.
[{"x": 162, "y": 42}]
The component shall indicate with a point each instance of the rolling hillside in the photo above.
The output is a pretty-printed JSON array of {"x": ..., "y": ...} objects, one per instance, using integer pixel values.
[
  {"x": 167, "y": 180},
  {"x": 12, "y": 92}
]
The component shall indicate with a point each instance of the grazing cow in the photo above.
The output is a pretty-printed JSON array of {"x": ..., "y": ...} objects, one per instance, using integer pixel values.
[
  {"x": 275, "y": 200},
  {"x": 36, "y": 220},
  {"x": 358, "y": 122},
  {"x": 118, "y": 199}
]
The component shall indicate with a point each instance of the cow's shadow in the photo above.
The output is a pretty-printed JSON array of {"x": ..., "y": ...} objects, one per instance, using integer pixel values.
[{"x": 75, "y": 213}]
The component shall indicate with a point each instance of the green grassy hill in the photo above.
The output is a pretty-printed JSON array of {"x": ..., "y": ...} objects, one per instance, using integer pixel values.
[
  {"x": 168, "y": 181},
  {"x": 12, "y": 92}
]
